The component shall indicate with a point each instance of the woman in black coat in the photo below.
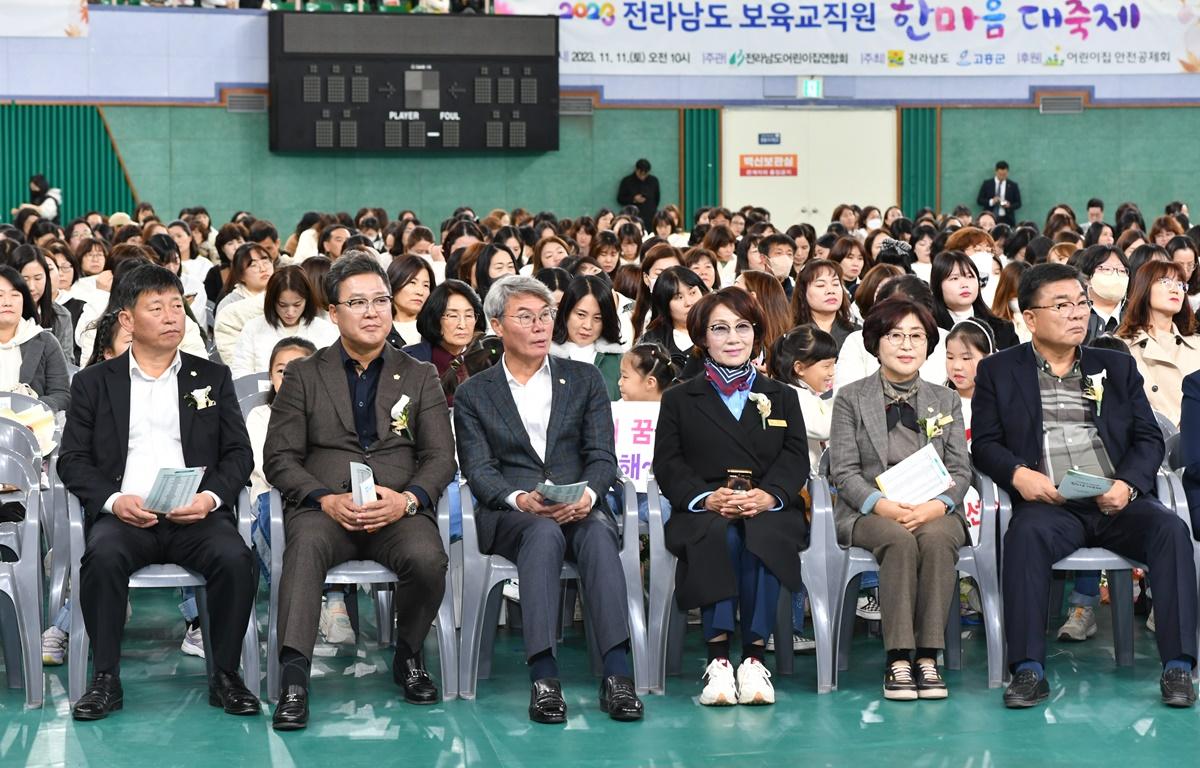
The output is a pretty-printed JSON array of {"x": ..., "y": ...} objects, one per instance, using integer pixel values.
[{"x": 734, "y": 545}]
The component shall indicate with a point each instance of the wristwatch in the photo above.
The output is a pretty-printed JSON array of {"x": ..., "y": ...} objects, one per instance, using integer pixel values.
[{"x": 412, "y": 506}]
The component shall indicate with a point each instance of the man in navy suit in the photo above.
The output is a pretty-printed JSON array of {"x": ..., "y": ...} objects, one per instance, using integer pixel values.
[
  {"x": 1084, "y": 409},
  {"x": 1000, "y": 195},
  {"x": 535, "y": 418},
  {"x": 149, "y": 409}
]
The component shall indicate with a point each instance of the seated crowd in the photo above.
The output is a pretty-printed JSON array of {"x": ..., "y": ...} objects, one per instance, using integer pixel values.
[{"x": 493, "y": 349}]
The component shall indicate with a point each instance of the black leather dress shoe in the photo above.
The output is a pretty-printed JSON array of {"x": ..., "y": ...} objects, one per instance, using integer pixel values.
[
  {"x": 1177, "y": 688},
  {"x": 291, "y": 713},
  {"x": 418, "y": 686},
  {"x": 104, "y": 695},
  {"x": 1026, "y": 690},
  {"x": 618, "y": 697},
  {"x": 546, "y": 704},
  {"x": 226, "y": 690}
]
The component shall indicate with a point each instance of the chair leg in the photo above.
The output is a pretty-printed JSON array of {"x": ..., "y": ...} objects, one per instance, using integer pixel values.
[
  {"x": 205, "y": 626},
  {"x": 952, "y": 655},
  {"x": 448, "y": 641},
  {"x": 385, "y": 616},
  {"x": 273, "y": 640},
  {"x": 1120, "y": 596},
  {"x": 662, "y": 582},
  {"x": 78, "y": 647},
  {"x": 11, "y": 637},
  {"x": 636, "y": 612},
  {"x": 352, "y": 609},
  {"x": 816, "y": 581},
  {"x": 487, "y": 639},
  {"x": 677, "y": 629},
  {"x": 251, "y": 665},
  {"x": 846, "y": 616},
  {"x": 785, "y": 657},
  {"x": 474, "y": 602}
]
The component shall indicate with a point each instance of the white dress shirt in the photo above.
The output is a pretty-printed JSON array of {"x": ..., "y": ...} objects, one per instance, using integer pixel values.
[
  {"x": 154, "y": 439},
  {"x": 533, "y": 399}
]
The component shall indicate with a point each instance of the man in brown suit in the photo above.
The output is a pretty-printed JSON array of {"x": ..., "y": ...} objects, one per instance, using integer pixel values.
[{"x": 359, "y": 400}]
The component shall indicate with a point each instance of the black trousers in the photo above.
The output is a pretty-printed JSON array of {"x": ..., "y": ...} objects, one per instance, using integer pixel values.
[
  {"x": 212, "y": 547},
  {"x": 1146, "y": 531}
]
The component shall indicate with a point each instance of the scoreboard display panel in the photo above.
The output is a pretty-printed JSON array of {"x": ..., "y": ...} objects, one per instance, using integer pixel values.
[{"x": 412, "y": 82}]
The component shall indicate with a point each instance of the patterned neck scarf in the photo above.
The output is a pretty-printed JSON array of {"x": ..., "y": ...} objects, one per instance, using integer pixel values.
[
  {"x": 898, "y": 409},
  {"x": 728, "y": 380}
]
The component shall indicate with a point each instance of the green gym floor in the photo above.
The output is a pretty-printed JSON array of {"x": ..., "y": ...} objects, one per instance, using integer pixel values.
[{"x": 1097, "y": 715}]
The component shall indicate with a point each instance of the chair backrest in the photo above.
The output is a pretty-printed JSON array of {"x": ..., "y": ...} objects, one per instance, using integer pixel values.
[
  {"x": 250, "y": 384},
  {"x": 19, "y": 402},
  {"x": 252, "y": 401},
  {"x": 1166, "y": 425},
  {"x": 19, "y": 439}
]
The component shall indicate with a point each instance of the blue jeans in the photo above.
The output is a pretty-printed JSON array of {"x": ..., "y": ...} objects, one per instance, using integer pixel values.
[
  {"x": 616, "y": 503},
  {"x": 1086, "y": 592},
  {"x": 757, "y": 596}
]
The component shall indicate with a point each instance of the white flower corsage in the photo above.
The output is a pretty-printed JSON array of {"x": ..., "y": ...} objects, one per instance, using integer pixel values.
[
  {"x": 400, "y": 417},
  {"x": 763, "y": 403},
  {"x": 933, "y": 426},
  {"x": 1094, "y": 389},
  {"x": 199, "y": 398}
]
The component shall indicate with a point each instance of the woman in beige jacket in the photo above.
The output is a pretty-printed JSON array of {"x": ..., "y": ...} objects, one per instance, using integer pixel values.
[{"x": 1159, "y": 328}]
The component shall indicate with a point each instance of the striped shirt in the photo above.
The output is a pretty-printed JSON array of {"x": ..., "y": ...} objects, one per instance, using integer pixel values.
[{"x": 1071, "y": 440}]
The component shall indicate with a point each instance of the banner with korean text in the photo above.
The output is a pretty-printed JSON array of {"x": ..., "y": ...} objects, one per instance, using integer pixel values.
[
  {"x": 873, "y": 37},
  {"x": 43, "y": 18},
  {"x": 634, "y": 424}
]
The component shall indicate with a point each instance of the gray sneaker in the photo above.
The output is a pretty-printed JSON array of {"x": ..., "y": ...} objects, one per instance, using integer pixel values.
[{"x": 1080, "y": 624}]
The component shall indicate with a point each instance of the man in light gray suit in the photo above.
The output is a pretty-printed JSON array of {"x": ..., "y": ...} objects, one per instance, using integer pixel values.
[
  {"x": 359, "y": 400},
  {"x": 530, "y": 419}
]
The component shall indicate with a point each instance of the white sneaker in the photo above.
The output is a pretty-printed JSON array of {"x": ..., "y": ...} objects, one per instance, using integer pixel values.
[
  {"x": 512, "y": 590},
  {"x": 335, "y": 624},
  {"x": 1080, "y": 624},
  {"x": 868, "y": 606},
  {"x": 719, "y": 688},
  {"x": 54, "y": 646},
  {"x": 193, "y": 642},
  {"x": 754, "y": 683}
]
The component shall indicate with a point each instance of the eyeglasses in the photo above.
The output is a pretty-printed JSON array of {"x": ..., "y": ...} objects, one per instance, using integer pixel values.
[
  {"x": 1064, "y": 308},
  {"x": 897, "y": 338},
  {"x": 381, "y": 304},
  {"x": 1187, "y": 265},
  {"x": 466, "y": 318},
  {"x": 1112, "y": 271},
  {"x": 721, "y": 330},
  {"x": 527, "y": 319},
  {"x": 1168, "y": 283},
  {"x": 259, "y": 264}
]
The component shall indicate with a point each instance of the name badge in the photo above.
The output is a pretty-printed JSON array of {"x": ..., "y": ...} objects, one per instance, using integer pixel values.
[{"x": 776, "y": 422}]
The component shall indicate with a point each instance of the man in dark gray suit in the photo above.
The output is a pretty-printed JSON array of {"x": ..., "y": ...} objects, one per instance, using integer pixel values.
[
  {"x": 359, "y": 400},
  {"x": 530, "y": 419}
]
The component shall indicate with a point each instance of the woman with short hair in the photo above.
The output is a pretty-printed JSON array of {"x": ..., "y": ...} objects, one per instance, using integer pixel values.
[
  {"x": 731, "y": 456},
  {"x": 878, "y": 422}
]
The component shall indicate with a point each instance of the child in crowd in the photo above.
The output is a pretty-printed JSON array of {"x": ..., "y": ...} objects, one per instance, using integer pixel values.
[
  {"x": 806, "y": 358},
  {"x": 646, "y": 372}
]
